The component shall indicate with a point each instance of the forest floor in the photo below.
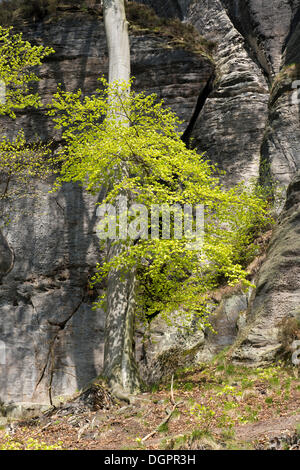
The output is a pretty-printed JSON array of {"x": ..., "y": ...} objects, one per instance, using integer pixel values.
[{"x": 215, "y": 406}]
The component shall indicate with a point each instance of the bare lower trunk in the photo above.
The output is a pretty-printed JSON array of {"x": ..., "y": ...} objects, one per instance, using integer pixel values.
[
  {"x": 119, "y": 360},
  {"x": 116, "y": 28}
]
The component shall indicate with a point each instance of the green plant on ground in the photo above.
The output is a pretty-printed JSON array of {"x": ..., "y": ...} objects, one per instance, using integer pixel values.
[
  {"x": 163, "y": 428},
  {"x": 154, "y": 388},
  {"x": 229, "y": 390},
  {"x": 269, "y": 400},
  {"x": 250, "y": 415},
  {"x": 139, "y": 444},
  {"x": 199, "y": 434},
  {"x": 225, "y": 421},
  {"x": 230, "y": 369},
  {"x": 176, "y": 414},
  {"x": 185, "y": 441},
  {"x": 228, "y": 434},
  {"x": 268, "y": 374},
  {"x": 204, "y": 416},
  {"x": 29, "y": 444},
  {"x": 246, "y": 383},
  {"x": 174, "y": 443},
  {"x": 229, "y": 405},
  {"x": 188, "y": 386}
]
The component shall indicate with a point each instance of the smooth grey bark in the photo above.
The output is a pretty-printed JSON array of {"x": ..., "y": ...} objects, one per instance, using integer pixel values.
[
  {"x": 116, "y": 28},
  {"x": 119, "y": 360}
]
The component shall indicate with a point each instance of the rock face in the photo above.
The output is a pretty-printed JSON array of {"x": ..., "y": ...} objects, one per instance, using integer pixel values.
[
  {"x": 169, "y": 8},
  {"x": 47, "y": 325},
  {"x": 231, "y": 126},
  {"x": 249, "y": 125},
  {"x": 174, "y": 74},
  {"x": 164, "y": 349},
  {"x": 50, "y": 333},
  {"x": 278, "y": 289},
  {"x": 256, "y": 59}
]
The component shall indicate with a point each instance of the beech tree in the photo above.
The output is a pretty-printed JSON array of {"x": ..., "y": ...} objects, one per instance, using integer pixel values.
[
  {"x": 119, "y": 360},
  {"x": 170, "y": 277},
  {"x": 129, "y": 143}
]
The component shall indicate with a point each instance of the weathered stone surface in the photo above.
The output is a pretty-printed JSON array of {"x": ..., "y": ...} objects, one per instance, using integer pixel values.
[
  {"x": 226, "y": 321},
  {"x": 46, "y": 317},
  {"x": 280, "y": 150},
  {"x": 231, "y": 125},
  {"x": 249, "y": 123},
  {"x": 247, "y": 133},
  {"x": 6, "y": 256},
  {"x": 168, "y": 8},
  {"x": 163, "y": 349},
  {"x": 22, "y": 410},
  {"x": 278, "y": 288},
  {"x": 265, "y": 27},
  {"x": 176, "y": 75}
]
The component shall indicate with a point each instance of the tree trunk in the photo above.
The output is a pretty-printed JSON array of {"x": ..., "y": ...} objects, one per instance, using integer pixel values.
[
  {"x": 116, "y": 28},
  {"x": 119, "y": 359}
]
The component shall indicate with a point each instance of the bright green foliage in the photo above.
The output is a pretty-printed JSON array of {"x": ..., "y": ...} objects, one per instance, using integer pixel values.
[
  {"x": 17, "y": 57},
  {"x": 19, "y": 161},
  {"x": 148, "y": 161},
  {"x": 29, "y": 444}
]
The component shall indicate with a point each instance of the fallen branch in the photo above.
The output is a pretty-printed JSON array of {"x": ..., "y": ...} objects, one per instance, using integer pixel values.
[
  {"x": 163, "y": 422},
  {"x": 169, "y": 414},
  {"x": 41, "y": 430}
]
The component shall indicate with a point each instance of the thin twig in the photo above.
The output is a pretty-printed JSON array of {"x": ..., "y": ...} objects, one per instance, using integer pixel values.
[
  {"x": 172, "y": 393},
  {"x": 51, "y": 375}
]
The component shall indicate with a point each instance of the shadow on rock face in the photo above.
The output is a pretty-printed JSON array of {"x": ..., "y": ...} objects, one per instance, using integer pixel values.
[{"x": 6, "y": 256}]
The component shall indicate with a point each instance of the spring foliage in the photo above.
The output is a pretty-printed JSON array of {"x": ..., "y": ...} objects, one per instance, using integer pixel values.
[
  {"x": 19, "y": 161},
  {"x": 148, "y": 161},
  {"x": 17, "y": 57}
]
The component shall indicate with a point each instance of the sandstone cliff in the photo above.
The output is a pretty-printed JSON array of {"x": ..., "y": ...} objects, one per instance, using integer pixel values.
[{"x": 249, "y": 125}]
